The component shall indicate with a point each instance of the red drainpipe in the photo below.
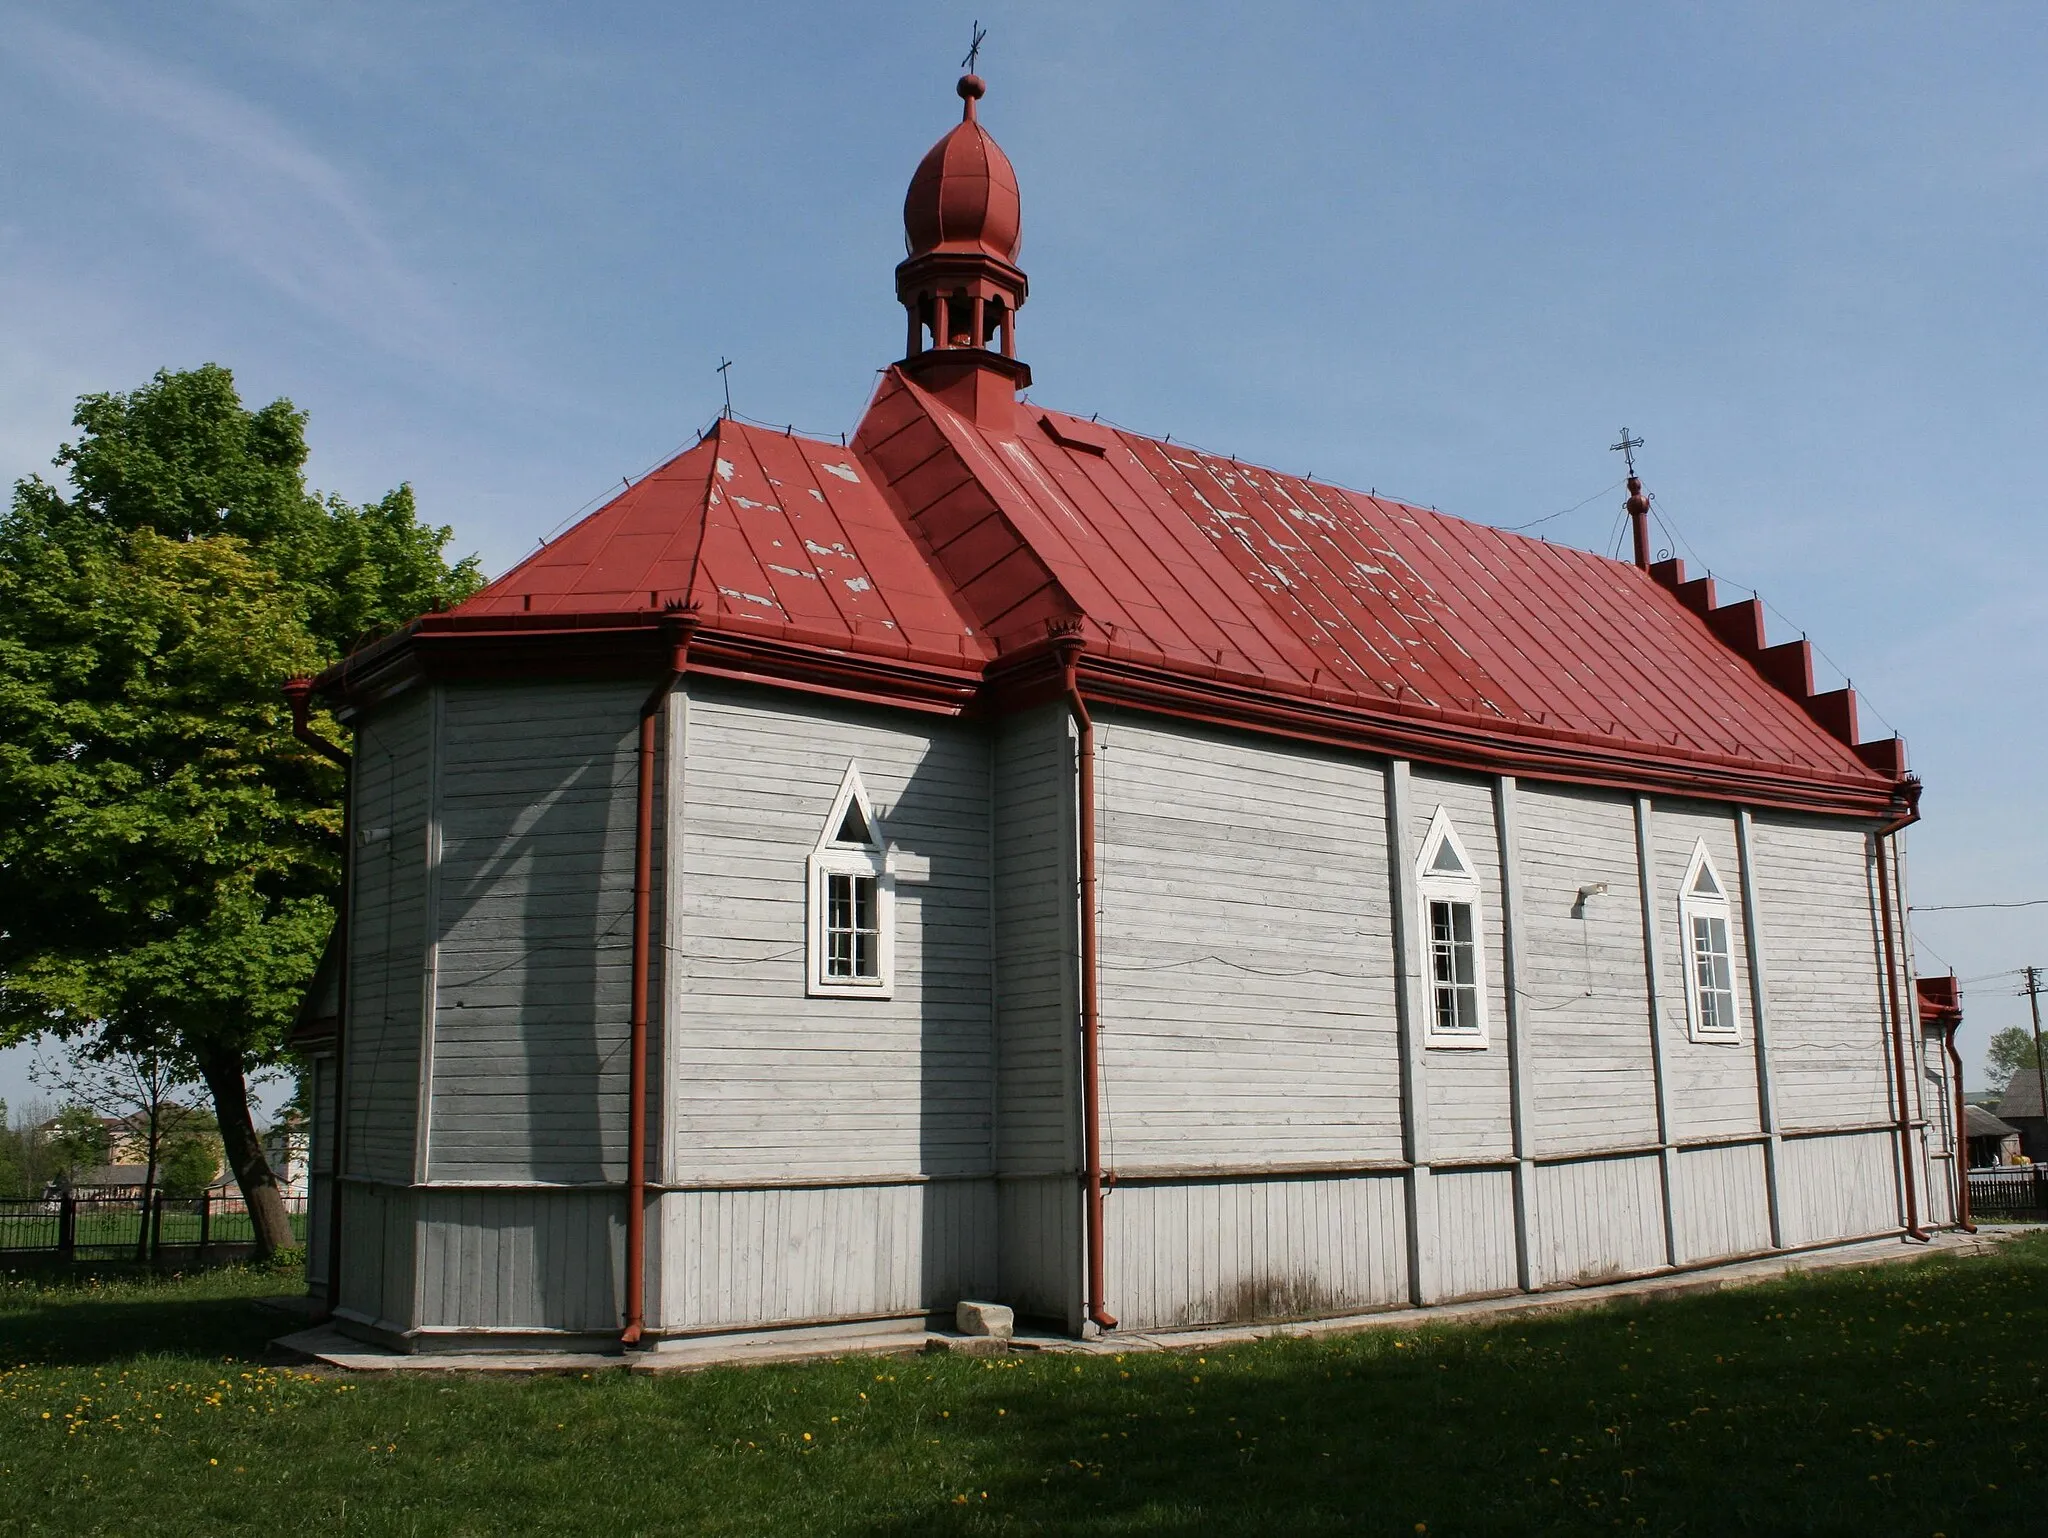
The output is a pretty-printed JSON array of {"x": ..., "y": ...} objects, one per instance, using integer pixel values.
[
  {"x": 298, "y": 693},
  {"x": 679, "y": 628},
  {"x": 1069, "y": 644},
  {"x": 1891, "y": 983},
  {"x": 1962, "y": 1139}
]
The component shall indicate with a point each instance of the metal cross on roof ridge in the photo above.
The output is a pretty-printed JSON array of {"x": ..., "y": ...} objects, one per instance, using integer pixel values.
[
  {"x": 1626, "y": 449},
  {"x": 725, "y": 378},
  {"x": 974, "y": 51}
]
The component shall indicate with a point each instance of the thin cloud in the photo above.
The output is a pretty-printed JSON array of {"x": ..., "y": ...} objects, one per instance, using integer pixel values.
[{"x": 253, "y": 192}]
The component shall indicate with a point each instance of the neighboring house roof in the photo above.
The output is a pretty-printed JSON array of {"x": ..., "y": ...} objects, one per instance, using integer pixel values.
[
  {"x": 2022, "y": 1096},
  {"x": 1978, "y": 1122}
]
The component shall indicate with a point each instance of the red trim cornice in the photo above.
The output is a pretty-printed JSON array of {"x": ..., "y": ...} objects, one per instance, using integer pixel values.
[{"x": 882, "y": 671}]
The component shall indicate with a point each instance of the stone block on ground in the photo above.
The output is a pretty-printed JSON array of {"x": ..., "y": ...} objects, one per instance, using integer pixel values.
[{"x": 990, "y": 1319}]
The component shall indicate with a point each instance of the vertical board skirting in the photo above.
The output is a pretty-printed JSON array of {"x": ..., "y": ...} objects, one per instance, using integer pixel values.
[
  {"x": 807, "y": 1255},
  {"x": 1406, "y": 902},
  {"x": 1723, "y": 1202},
  {"x": 1599, "y": 1219},
  {"x": 1653, "y": 977},
  {"x": 1843, "y": 1186},
  {"x": 1760, "y": 1024},
  {"x": 1038, "y": 1233},
  {"x": 1508, "y": 828},
  {"x": 1211, "y": 1252},
  {"x": 430, "y": 965},
  {"x": 379, "y": 1282},
  {"x": 529, "y": 1259},
  {"x": 1478, "y": 1244}
]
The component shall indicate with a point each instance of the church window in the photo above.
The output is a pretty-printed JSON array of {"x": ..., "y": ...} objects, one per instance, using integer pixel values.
[
  {"x": 851, "y": 900},
  {"x": 1453, "y": 959},
  {"x": 1703, "y": 921}
]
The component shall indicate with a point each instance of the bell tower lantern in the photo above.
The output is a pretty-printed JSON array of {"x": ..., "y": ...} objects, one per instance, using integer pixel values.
[{"x": 960, "y": 285}]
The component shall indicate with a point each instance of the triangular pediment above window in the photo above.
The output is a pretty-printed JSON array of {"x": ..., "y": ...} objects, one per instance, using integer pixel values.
[
  {"x": 1443, "y": 853},
  {"x": 853, "y": 827},
  {"x": 851, "y": 822},
  {"x": 1702, "y": 881}
]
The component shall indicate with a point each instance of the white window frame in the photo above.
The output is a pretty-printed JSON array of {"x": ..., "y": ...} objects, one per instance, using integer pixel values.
[
  {"x": 1691, "y": 906},
  {"x": 830, "y": 857},
  {"x": 1437, "y": 886}
]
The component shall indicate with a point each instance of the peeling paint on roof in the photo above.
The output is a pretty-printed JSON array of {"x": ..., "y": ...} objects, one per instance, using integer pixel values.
[{"x": 844, "y": 472}]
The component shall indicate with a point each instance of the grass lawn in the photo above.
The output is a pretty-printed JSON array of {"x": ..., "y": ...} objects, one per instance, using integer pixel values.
[{"x": 1900, "y": 1399}]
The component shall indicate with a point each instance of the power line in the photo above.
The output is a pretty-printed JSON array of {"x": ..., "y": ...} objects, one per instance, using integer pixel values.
[
  {"x": 2032, "y": 902},
  {"x": 1517, "y": 528}
]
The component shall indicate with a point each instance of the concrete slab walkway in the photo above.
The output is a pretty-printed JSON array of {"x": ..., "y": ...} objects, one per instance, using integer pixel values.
[{"x": 325, "y": 1344}]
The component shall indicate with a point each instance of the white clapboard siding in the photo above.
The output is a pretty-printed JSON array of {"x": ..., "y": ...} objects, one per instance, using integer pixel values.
[
  {"x": 768, "y": 1083},
  {"x": 378, "y": 1246},
  {"x": 1722, "y": 1205},
  {"x": 1585, "y": 983},
  {"x": 1037, "y": 919},
  {"x": 387, "y": 937},
  {"x": 1209, "y": 1251},
  {"x": 1830, "y": 1061},
  {"x": 1843, "y": 1186},
  {"x": 538, "y": 789},
  {"x": 521, "y": 1259},
  {"x": 1597, "y": 1219},
  {"x": 1038, "y": 1244},
  {"x": 1469, "y": 1114},
  {"x": 1710, "y": 1086},
  {"x": 1475, "y": 1232},
  {"x": 1247, "y": 965},
  {"x": 802, "y": 1255},
  {"x": 1939, "y": 1096}
]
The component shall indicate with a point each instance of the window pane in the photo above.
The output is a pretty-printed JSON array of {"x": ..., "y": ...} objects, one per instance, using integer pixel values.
[
  {"x": 1453, "y": 966},
  {"x": 1713, "y": 973}
]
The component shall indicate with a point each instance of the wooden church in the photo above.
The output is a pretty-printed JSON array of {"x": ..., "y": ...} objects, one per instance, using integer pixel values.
[{"x": 1010, "y": 858}]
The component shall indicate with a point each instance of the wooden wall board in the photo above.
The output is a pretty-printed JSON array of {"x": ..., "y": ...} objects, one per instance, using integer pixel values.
[
  {"x": 1584, "y": 990},
  {"x": 1830, "y": 1059},
  {"x": 801, "y": 1255},
  {"x": 387, "y": 931},
  {"x": 532, "y": 1259},
  {"x": 538, "y": 785},
  {"x": 764, "y": 1081},
  {"x": 1598, "y": 1219},
  {"x": 1247, "y": 978},
  {"x": 1201, "y": 1252},
  {"x": 1722, "y": 1202}
]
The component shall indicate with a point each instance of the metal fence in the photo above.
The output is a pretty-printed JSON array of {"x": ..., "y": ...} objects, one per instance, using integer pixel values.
[
  {"x": 93, "y": 1225},
  {"x": 2010, "y": 1195}
]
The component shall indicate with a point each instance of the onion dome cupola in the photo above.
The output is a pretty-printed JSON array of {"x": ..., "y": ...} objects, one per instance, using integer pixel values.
[{"x": 960, "y": 285}]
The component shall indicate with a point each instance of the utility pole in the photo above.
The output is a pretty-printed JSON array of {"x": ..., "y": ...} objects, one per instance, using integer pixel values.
[{"x": 2033, "y": 975}]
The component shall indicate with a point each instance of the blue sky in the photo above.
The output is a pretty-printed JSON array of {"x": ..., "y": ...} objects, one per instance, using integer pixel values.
[{"x": 1442, "y": 250}]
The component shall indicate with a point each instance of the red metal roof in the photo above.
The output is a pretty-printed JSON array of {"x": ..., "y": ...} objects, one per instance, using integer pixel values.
[
  {"x": 950, "y": 545},
  {"x": 764, "y": 532},
  {"x": 1207, "y": 566}
]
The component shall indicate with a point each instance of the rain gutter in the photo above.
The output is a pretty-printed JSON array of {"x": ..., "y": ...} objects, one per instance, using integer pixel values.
[{"x": 1068, "y": 642}]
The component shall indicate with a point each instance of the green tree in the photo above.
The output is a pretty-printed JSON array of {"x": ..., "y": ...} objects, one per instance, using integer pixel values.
[
  {"x": 79, "y": 1141},
  {"x": 191, "y": 1161},
  {"x": 169, "y": 853},
  {"x": 2009, "y": 1051}
]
